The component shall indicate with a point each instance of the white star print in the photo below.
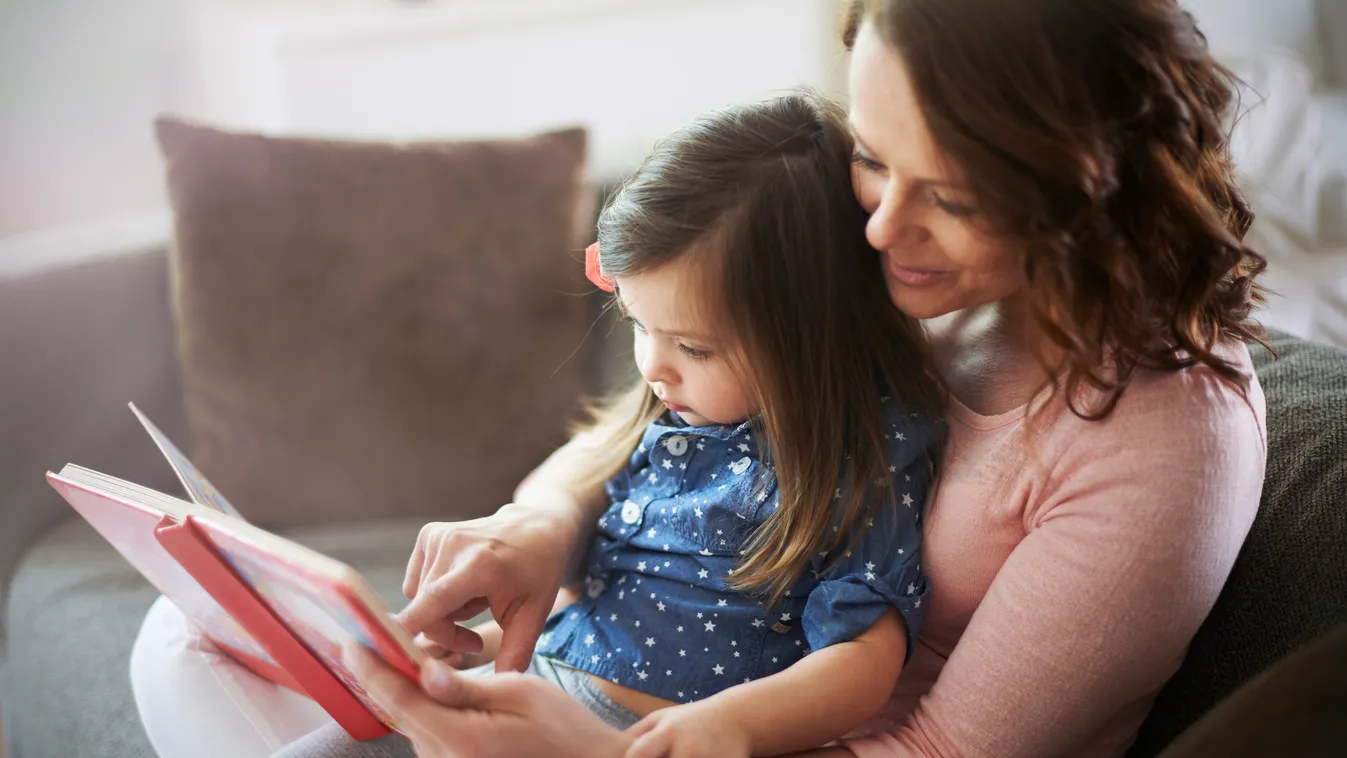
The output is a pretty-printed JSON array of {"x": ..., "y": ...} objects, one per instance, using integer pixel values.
[
  {"x": 870, "y": 576},
  {"x": 613, "y": 617},
  {"x": 682, "y": 653},
  {"x": 666, "y": 547},
  {"x": 668, "y": 672},
  {"x": 757, "y": 623},
  {"x": 773, "y": 659},
  {"x": 743, "y": 448},
  {"x": 680, "y": 628},
  {"x": 899, "y": 436},
  {"x": 911, "y": 589},
  {"x": 642, "y": 674},
  {"x": 593, "y": 659},
  {"x": 713, "y": 475},
  {"x": 721, "y": 603},
  {"x": 651, "y": 534},
  {"x": 589, "y": 639},
  {"x": 640, "y": 566},
  {"x": 736, "y": 654},
  {"x": 917, "y": 604},
  {"x": 667, "y": 463},
  {"x": 870, "y": 566},
  {"x": 649, "y": 641},
  {"x": 907, "y": 499},
  {"x": 900, "y": 551},
  {"x": 710, "y": 626},
  {"x": 697, "y": 512},
  {"x": 699, "y": 615},
  {"x": 660, "y": 606},
  {"x": 719, "y": 669},
  {"x": 785, "y": 617},
  {"x": 638, "y": 624},
  {"x": 893, "y": 469},
  {"x": 702, "y": 574}
]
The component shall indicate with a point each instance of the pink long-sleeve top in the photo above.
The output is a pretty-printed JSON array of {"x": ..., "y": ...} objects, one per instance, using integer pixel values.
[{"x": 1071, "y": 564}]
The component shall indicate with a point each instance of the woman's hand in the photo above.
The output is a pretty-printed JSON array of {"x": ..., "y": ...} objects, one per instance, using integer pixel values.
[
  {"x": 501, "y": 716},
  {"x": 695, "y": 730},
  {"x": 512, "y": 562}
]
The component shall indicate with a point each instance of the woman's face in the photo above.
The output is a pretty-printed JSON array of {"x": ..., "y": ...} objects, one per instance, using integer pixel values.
[{"x": 921, "y": 218}]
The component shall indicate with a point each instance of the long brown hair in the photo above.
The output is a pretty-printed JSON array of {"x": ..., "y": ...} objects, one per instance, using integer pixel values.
[
  {"x": 761, "y": 194},
  {"x": 1094, "y": 137}
]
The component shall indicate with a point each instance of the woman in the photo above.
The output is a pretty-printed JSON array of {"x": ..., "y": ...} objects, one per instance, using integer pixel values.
[{"x": 1050, "y": 186}]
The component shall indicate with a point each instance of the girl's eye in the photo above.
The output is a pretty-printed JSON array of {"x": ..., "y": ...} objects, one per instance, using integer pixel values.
[
  {"x": 954, "y": 209},
  {"x": 865, "y": 162},
  {"x": 693, "y": 353}
]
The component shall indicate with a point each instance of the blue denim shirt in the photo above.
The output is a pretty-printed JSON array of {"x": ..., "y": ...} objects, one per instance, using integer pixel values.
[{"x": 655, "y": 614}]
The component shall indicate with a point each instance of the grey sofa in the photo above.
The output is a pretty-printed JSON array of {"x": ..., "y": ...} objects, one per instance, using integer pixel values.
[{"x": 79, "y": 340}]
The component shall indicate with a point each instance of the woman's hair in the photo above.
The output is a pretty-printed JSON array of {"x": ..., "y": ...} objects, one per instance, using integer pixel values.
[
  {"x": 760, "y": 197},
  {"x": 1093, "y": 136}
]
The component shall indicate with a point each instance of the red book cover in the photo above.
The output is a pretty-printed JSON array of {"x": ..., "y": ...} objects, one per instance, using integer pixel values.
[{"x": 280, "y": 609}]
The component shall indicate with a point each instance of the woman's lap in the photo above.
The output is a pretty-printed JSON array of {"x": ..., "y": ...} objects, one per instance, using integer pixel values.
[{"x": 185, "y": 689}]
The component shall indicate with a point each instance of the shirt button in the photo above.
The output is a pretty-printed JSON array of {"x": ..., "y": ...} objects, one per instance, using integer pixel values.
[
  {"x": 677, "y": 445},
  {"x": 631, "y": 512}
]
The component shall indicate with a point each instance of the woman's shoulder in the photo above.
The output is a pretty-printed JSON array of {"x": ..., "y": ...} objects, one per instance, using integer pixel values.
[{"x": 1188, "y": 402}]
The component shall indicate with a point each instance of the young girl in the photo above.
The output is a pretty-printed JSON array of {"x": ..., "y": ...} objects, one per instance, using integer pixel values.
[{"x": 766, "y": 472}]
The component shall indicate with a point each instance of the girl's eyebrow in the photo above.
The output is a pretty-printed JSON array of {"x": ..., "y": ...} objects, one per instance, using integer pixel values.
[{"x": 684, "y": 334}]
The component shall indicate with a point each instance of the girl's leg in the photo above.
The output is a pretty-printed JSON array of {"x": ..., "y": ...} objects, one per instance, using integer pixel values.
[{"x": 195, "y": 701}]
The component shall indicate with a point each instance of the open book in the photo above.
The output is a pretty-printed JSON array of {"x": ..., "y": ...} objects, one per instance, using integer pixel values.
[{"x": 280, "y": 609}]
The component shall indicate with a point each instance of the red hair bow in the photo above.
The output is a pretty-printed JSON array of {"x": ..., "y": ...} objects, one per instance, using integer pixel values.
[{"x": 593, "y": 271}]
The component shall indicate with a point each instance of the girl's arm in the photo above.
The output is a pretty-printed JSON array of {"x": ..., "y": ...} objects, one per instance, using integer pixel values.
[{"x": 816, "y": 700}]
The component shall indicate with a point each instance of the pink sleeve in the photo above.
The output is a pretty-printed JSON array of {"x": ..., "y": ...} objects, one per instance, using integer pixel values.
[{"x": 1127, "y": 546}]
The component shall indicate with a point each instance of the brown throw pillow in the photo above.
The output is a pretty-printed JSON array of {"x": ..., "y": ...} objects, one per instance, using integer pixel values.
[{"x": 373, "y": 330}]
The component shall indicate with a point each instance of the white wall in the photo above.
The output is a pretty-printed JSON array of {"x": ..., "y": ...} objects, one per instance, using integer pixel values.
[{"x": 79, "y": 83}]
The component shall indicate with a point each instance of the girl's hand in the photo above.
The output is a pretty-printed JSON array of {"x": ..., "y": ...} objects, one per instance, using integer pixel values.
[
  {"x": 512, "y": 562},
  {"x": 695, "y": 730},
  {"x": 455, "y": 716},
  {"x": 488, "y": 632}
]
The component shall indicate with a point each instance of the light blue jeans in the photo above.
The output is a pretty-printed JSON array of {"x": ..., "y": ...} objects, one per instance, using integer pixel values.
[{"x": 333, "y": 742}]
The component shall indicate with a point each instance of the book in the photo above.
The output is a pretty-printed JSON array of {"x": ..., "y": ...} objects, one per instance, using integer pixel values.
[{"x": 278, "y": 608}]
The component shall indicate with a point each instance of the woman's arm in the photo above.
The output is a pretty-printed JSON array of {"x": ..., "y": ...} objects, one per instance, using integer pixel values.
[
  {"x": 1094, "y": 609},
  {"x": 823, "y": 696}
]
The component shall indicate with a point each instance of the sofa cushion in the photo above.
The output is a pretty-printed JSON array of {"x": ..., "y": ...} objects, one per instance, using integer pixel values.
[
  {"x": 74, "y": 612},
  {"x": 370, "y": 330},
  {"x": 1288, "y": 585}
]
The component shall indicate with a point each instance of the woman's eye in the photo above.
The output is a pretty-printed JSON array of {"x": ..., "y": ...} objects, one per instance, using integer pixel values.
[
  {"x": 865, "y": 162},
  {"x": 954, "y": 209},
  {"x": 694, "y": 353}
]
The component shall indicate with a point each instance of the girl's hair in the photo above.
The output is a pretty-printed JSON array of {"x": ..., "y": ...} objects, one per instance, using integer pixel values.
[
  {"x": 761, "y": 196},
  {"x": 1094, "y": 137}
]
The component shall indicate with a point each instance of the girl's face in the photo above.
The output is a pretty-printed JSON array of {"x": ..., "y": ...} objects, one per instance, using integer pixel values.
[
  {"x": 921, "y": 219},
  {"x": 684, "y": 360}
]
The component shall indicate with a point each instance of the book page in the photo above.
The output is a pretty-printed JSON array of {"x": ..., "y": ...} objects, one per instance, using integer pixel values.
[{"x": 198, "y": 487}]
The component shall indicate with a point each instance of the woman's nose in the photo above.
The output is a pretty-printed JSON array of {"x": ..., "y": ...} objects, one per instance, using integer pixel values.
[{"x": 892, "y": 226}]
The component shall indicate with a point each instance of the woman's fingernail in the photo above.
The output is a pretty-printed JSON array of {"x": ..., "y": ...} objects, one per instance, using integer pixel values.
[{"x": 439, "y": 677}]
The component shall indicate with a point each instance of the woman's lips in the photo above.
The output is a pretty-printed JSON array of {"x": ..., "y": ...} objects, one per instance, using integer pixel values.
[{"x": 914, "y": 277}]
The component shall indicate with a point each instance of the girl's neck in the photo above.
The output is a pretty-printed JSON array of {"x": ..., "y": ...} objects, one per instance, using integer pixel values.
[{"x": 987, "y": 355}]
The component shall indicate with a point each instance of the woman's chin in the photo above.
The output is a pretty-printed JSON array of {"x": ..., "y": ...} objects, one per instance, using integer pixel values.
[{"x": 919, "y": 302}]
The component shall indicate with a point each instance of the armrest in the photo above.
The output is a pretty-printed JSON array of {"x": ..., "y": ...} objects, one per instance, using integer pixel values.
[{"x": 78, "y": 340}]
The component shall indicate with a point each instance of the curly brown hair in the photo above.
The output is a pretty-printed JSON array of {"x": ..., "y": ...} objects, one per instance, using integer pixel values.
[{"x": 1094, "y": 135}]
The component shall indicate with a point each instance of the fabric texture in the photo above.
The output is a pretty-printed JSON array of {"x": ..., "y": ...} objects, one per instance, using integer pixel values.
[
  {"x": 1071, "y": 563},
  {"x": 365, "y": 323},
  {"x": 1288, "y": 586},
  {"x": 657, "y": 616},
  {"x": 1295, "y": 708}
]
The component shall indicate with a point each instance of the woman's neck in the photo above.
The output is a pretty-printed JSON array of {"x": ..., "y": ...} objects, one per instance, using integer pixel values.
[{"x": 987, "y": 356}]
